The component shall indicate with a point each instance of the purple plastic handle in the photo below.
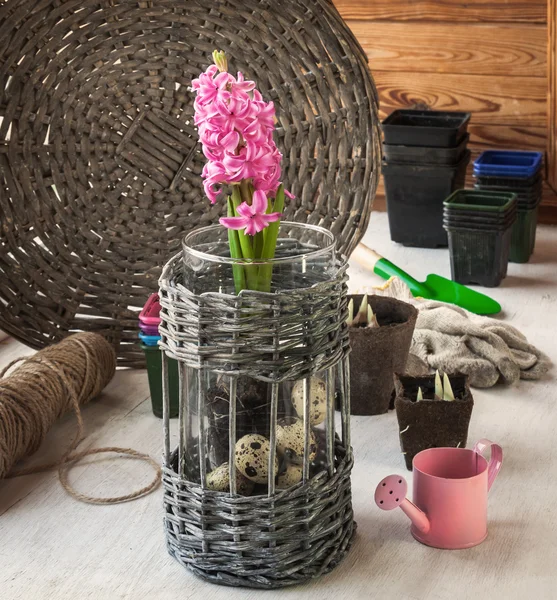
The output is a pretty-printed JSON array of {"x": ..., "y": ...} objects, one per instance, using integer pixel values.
[
  {"x": 495, "y": 461},
  {"x": 149, "y": 329}
]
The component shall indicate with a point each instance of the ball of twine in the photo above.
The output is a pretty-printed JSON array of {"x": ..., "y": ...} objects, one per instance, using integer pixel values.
[{"x": 40, "y": 390}]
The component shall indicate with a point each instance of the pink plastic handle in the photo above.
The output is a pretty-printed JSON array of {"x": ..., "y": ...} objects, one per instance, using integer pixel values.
[{"x": 495, "y": 462}]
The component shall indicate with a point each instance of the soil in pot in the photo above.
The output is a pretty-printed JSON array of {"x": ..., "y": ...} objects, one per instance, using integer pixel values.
[
  {"x": 379, "y": 352},
  {"x": 431, "y": 423}
]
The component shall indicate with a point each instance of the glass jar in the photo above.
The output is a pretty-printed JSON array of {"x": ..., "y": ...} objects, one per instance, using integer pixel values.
[{"x": 260, "y": 370}]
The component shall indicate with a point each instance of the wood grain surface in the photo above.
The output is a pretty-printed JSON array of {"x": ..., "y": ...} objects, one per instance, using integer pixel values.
[
  {"x": 496, "y": 59},
  {"x": 499, "y": 100},
  {"x": 498, "y": 11},
  {"x": 548, "y": 210},
  {"x": 454, "y": 48},
  {"x": 487, "y": 136},
  {"x": 552, "y": 95}
]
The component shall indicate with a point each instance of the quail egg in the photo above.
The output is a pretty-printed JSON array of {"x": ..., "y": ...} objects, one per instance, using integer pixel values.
[
  {"x": 218, "y": 480},
  {"x": 252, "y": 457},
  {"x": 290, "y": 441},
  {"x": 318, "y": 399},
  {"x": 291, "y": 476}
]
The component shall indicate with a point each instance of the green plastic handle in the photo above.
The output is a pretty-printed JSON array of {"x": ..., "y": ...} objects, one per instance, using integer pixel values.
[{"x": 385, "y": 269}]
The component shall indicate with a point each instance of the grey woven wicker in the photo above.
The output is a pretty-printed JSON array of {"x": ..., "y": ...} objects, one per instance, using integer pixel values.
[
  {"x": 99, "y": 161},
  {"x": 276, "y": 537}
]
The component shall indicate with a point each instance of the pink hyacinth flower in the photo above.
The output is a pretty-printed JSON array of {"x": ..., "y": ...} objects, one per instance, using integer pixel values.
[
  {"x": 236, "y": 128},
  {"x": 210, "y": 88},
  {"x": 232, "y": 115},
  {"x": 252, "y": 218},
  {"x": 240, "y": 87},
  {"x": 252, "y": 161}
]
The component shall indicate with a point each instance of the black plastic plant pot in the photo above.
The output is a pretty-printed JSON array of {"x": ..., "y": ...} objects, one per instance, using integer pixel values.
[
  {"x": 481, "y": 218},
  {"x": 480, "y": 221},
  {"x": 415, "y": 195},
  {"x": 448, "y": 224},
  {"x": 513, "y": 182},
  {"x": 523, "y": 237},
  {"x": 431, "y": 128},
  {"x": 424, "y": 154},
  {"x": 379, "y": 352},
  {"x": 431, "y": 423},
  {"x": 479, "y": 257},
  {"x": 480, "y": 201},
  {"x": 523, "y": 195},
  {"x": 153, "y": 358}
]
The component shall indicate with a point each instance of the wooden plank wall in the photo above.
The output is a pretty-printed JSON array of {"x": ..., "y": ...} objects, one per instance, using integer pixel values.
[
  {"x": 484, "y": 56},
  {"x": 552, "y": 97}
]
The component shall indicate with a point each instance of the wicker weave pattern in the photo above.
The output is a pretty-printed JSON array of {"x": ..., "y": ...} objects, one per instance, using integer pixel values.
[
  {"x": 99, "y": 161},
  {"x": 309, "y": 335},
  {"x": 283, "y": 537},
  {"x": 261, "y": 542}
]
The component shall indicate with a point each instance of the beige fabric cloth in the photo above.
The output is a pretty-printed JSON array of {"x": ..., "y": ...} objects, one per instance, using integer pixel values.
[{"x": 452, "y": 339}]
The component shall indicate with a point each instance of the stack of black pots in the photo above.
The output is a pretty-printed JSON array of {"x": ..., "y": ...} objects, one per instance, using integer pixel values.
[
  {"x": 425, "y": 160},
  {"x": 479, "y": 224},
  {"x": 520, "y": 173}
]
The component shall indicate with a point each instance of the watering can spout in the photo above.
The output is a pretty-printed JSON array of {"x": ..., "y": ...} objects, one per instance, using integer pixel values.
[
  {"x": 418, "y": 517},
  {"x": 391, "y": 492}
]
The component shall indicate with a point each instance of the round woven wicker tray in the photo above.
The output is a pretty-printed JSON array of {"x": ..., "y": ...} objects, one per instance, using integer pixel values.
[{"x": 99, "y": 161}]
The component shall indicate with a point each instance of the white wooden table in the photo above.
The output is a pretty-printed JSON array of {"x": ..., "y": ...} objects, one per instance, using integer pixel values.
[{"x": 52, "y": 547}]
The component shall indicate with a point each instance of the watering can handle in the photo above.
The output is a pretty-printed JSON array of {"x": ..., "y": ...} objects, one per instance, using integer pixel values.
[{"x": 495, "y": 461}]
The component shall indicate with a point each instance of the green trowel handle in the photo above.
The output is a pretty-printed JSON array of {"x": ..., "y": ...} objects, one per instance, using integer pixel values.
[{"x": 385, "y": 268}]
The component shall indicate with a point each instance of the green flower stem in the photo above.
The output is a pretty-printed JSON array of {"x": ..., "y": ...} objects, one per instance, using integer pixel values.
[
  {"x": 259, "y": 241},
  {"x": 270, "y": 243},
  {"x": 251, "y": 271},
  {"x": 235, "y": 251},
  {"x": 271, "y": 232}
]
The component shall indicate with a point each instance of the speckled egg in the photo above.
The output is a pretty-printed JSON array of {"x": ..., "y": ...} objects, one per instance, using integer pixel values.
[
  {"x": 252, "y": 457},
  {"x": 290, "y": 477},
  {"x": 290, "y": 441},
  {"x": 219, "y": 481},
  {"x": 318, "y": 399}
]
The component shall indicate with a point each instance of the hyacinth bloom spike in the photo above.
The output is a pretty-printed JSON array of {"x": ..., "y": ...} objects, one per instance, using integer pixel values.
[{"x": 236, "y": 128}]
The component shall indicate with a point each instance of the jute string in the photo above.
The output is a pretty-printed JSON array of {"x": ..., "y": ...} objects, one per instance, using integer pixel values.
[{"x": 40, "y": 390}]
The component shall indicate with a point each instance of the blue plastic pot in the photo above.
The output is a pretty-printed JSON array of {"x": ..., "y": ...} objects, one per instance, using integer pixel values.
[
  {"x": 507, "y": 163},
  {"x": 149, "y": 340}
]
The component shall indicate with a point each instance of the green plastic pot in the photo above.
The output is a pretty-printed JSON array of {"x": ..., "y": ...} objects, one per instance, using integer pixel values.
[
  {"x": 523, "y": 237},
  {"x": 479, "y": 201},
  {"x": 479, "y": 257},
  {"x": 153, "y": 356}
]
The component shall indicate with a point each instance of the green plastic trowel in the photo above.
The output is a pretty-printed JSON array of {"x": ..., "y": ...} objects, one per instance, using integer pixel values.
[{"x": 434, "y": 287}]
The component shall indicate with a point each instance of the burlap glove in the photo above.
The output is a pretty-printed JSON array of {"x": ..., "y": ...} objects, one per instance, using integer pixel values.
[{"x": 452, "y": 339}]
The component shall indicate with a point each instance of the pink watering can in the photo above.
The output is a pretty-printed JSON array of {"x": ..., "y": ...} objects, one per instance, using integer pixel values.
[{"x": 450, "y": 494}]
